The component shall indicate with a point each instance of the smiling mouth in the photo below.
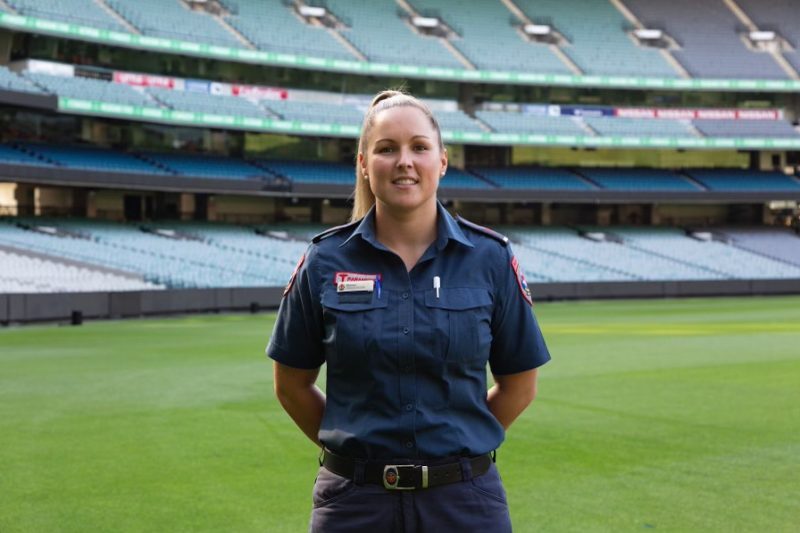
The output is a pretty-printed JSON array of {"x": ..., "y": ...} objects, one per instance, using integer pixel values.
[{"x": 405, "y": 181}]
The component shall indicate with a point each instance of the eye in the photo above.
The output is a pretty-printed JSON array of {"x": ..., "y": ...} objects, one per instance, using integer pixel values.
[
  {"x": 385, "y": 150},
  {"x": 420, "y": 147}
]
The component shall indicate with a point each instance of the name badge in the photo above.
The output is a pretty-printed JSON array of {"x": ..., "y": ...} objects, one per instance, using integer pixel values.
[{"x": 366, "y": 285}]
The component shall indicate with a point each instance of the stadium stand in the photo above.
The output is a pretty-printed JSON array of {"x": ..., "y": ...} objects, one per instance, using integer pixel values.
[
  {"x": 744, "y": 180},
  {"x": 745, "y": 128},
  {"x": 597, "y": 38},
  {"x": 316, "y": 112},
  {"x": 90, "y": 158},
  {"x": 730, "y": 261},
  {"x": 207, "y": 103},
  {"x": 639, "y": 179},
  {"x": 382, "y": 36},
  {"x": 489, "y": 41},
  {"x": 310, "y": 171},
  {"x": 512, "y": 122},
  {"x": 707, "y": 34},
  {"x": 173, "y": 19},
  {"x": 645, "y": 128},
  {"x": 457, "y": 121},
  {"x": 780, "y": 15},
  {"x": 10, "y": 154},
  {"x": 25, "y": 274},
  {"x": 10, "y": 81},
  {"x": 524, "y": 177},
  {"x": 84, "y": 12},
  {"x": 91, "y": 89},
  {"x": 781, "y": 244},
  {"x": 457, "y": 178},
  {"x": 270, "y": 25},
  {"x": 205, "y": 166}
]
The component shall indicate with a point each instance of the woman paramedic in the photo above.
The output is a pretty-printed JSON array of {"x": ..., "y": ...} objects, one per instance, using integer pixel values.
[{"x": 406, "y": 305}]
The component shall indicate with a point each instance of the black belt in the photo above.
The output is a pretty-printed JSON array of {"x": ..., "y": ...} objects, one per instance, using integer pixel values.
[{"x": 405, "y": 476}]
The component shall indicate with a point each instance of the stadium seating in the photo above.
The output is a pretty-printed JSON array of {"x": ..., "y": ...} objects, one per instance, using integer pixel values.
[
  {"x": 10, "y": 81},
  {"x": 781, "y": 244},
  {"x": 91, "y": 89},
  {"x": 383, "y": 37},
  {"x": 25, "y": 274},
  {"x": 83, "y": 12},
  {"x": 744, "y": 180},
  {"x": 598, "y": 42},
  {"x": 745, "y": 128},
  {"x": 173, "y": 19},
  {"x": 310, "y": 171},
  {"x": 707, "y": 34},
  {"x": 639, "y": 179},
  {"x": 613, "y": 126},
  {"x": 14, "y": 156},
  {"x": 91, "y": 158},
  {"x": 207, "y": 103},
  {"x": 729, "y": 261},
  {"x": 316, "y": 112},
  {"x": 488, "y": 39},
  {"x": 523, "y": 177},
  {"x": 206, "y": 166},
  {"x": 457, "y": 121},
  {"x": 780, "y": 15},
  {"x": 458, "y": 179},
  {"x": 270, "y": 25},
  {"x": 511, "y": 122}
]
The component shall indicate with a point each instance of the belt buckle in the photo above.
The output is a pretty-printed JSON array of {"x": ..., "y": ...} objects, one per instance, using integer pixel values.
[{"x": 392, "y": 476}]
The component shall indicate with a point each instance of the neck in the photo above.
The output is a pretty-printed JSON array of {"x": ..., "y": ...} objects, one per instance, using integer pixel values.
[{"x": 407, "y": 233}]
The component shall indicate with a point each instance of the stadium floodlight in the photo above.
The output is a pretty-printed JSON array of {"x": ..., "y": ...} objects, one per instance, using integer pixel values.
[
  {"x": 648, "y": 34},
  {"x": 763, "y": 36},
  {"x": 537, "y": 29},
  {"x": 312, "y": 11},
  {"x": 425, "y": 22}
]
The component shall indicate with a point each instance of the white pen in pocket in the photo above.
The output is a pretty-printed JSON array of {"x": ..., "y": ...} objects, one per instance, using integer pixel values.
[{"x": 437, "y": 283}]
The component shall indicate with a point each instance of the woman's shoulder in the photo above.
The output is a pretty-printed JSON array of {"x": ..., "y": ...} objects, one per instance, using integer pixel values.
[
  {"x": 342, "y": 230},
  {"x": 482, "y": 235}
]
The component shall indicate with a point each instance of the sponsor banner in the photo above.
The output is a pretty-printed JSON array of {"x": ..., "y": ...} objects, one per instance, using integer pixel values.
[
  {"x": 587, "y": 111},
  {"x": 703, "y": 114},
  {"x": 146, "y": 80},
  {"x": 258, "y": 92},
  {"x": 536, "y": 110},
  {"x": 197, "y": 86},
  {"x": 48, "y": 67},
  {"x": 220, "y": 89},
  {"x": 94, "y": 73}
]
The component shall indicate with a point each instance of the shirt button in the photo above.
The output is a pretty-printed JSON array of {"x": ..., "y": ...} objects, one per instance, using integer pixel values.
[
  {"x": 409, "y": 406},
  {"x": 405, "y": 331},
  {"x": 409, "y": 444},
  {"x": 405, "y": 296}
]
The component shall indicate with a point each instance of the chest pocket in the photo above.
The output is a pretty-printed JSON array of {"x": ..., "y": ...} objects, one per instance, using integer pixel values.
[
  {"x": 462, "y": 317},
  {"x": 352, "y": 323}
]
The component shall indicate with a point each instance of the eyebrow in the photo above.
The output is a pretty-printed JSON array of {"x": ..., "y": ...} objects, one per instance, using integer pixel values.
[{"x": 414, "y": 137}]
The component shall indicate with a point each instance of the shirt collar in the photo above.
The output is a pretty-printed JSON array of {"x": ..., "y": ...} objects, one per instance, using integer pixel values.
[{"x": 446, "y": 229}]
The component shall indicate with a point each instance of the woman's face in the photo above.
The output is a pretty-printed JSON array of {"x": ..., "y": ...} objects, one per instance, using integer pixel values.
[{"x": 403, "y": 160}]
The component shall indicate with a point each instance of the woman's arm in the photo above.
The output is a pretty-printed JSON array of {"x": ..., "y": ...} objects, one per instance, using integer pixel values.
[
  {"x": 299, "y": 397},
  {"x": 511, "y": 394}
]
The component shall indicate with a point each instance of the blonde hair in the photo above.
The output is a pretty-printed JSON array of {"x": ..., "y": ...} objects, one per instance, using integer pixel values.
[{"x": 363, "y": 199}]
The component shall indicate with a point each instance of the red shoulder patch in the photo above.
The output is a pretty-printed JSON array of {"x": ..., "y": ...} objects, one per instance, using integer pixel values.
[
  {"x": 523, "y": 285},
  {"x": 294, "y": 275}
]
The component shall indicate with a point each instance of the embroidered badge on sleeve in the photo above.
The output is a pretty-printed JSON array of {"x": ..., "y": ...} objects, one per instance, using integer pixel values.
[
  {"x": 294, "y": 275},
  {"x": 523, "y": 285}
]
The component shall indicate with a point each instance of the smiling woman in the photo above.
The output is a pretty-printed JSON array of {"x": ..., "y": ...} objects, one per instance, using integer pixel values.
[{"x": 406, "y": 305}]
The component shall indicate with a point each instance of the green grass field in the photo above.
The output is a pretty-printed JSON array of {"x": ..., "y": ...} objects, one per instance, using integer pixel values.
[{"x": 675, "y": 415}]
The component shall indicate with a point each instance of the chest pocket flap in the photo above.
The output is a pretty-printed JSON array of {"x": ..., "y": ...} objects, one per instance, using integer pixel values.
[
  {"x": 459, "y": 298},
  {"x": 353, "y": 301}
]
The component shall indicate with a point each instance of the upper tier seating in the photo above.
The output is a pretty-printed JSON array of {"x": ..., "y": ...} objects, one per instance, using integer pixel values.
[
  {"x": 270, "y": 25},
  {"x": 207, "y": 103},
  {"x": 83, "y": 12},
  {"x": 744, "y": 180},
  {"x": 598, "y": 44},
  {"x": 533, "y": 178},
  {"x": 91, "y": 89},
  {"x": 383, "y": 37},
  {"x": 316, "y": 112},
  {"x": 12, "y": 82},
  {"x": 311, "y": 172},
  {"x": 489, "y": 41},
  {"x": 206, "y": 166},
  {"x": 458, "y": 179},
  {"x": 14, "y": 156},
  {"x": 781, "y": 244},
  {"x": 25, "y": 274},
  {"x": 645, "y": 128},
  {"x": 780, "y": 15},
  {"x": 639, "y": 179},
  {"x": 707, "y": 34},
  {"x": 745, "y": 128},
  {"x": 510, "y": 122},
  {"x": 93, "y": 158},
  {"x": 172, "y": 19},
  {"x": 730, "y": 261},
  {"x": 457, "y": 121}
]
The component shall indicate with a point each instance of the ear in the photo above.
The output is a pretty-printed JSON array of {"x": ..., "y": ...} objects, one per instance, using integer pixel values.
[
  {"x": 443, "y": 162},
  {"x": 362, "y": 163}
]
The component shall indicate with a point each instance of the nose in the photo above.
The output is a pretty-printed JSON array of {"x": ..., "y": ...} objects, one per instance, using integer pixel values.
[{"x": 404, "y": 159}]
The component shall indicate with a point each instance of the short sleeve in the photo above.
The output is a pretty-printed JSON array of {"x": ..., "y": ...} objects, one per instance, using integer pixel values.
[
  {"x": 517, "y": 342},
  {"x": 297, "y": 337}
]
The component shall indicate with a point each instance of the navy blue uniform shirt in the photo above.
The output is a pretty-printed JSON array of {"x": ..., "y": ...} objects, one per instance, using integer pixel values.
[{"x": 406, "y": 367}]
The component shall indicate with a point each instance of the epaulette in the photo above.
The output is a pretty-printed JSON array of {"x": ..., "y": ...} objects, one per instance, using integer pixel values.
[
  {"x": 481, "y": 229},
  {"x": 330, "y": 231}
]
